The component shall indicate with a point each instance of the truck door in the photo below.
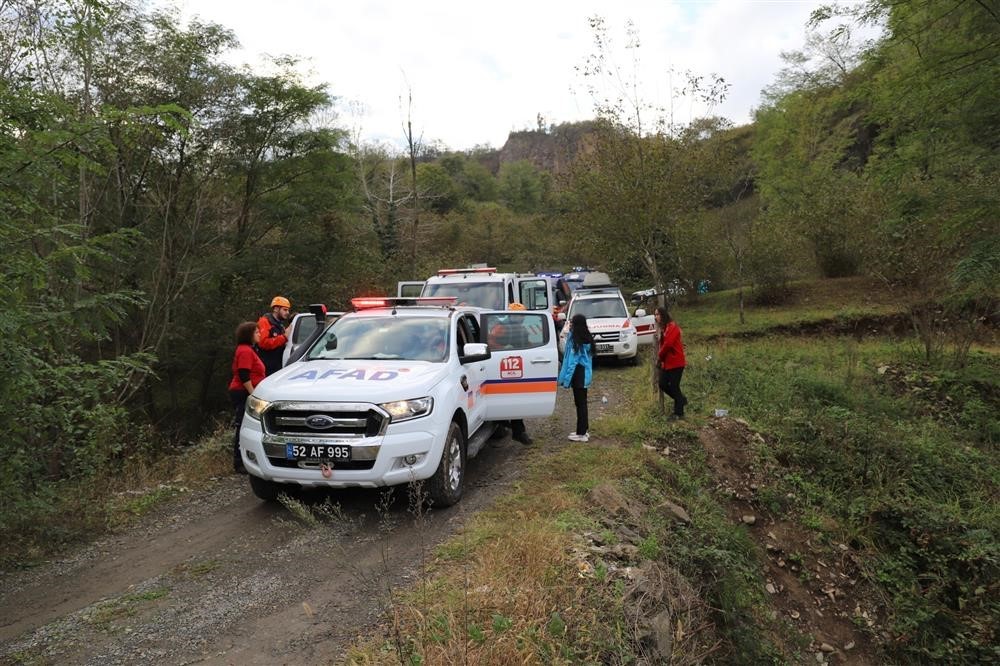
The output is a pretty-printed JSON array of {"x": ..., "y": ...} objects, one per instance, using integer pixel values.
[
  {"x": 474, "y": 373},
  {"x": 409, "y": 288},
  {"x": 300, "y": 328},
  {"x": 521, "y": 374},
  {"x": 645, "y": 326},
  {"x": 534, "y": 293}
]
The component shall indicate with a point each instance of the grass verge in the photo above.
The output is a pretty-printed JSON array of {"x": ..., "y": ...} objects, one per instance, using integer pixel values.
[
  {"x": 896, "y": 457},
  {"x": 61, "y": 514}
]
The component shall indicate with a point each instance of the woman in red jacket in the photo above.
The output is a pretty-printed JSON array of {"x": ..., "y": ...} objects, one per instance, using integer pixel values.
[
  {"x": 670, "y": 360},
  {"x": 248, "y": 371}
]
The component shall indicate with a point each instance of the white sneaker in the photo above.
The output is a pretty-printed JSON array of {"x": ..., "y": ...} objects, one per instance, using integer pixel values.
[{"x": 585, "y": 437}]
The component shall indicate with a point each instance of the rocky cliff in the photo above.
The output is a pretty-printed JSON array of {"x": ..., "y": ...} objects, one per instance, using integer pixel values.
[{"x": 553, "y": 150}]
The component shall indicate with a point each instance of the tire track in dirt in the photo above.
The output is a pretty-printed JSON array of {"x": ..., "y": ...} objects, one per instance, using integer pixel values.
[
  {"x": 111, "y": 566},
  {"x": 215, "y": 576}
]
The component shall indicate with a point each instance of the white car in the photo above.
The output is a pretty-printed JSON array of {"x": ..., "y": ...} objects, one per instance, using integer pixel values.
[
  {"x": 395, "y": 392},
  {"x": 616, "y": 334}
]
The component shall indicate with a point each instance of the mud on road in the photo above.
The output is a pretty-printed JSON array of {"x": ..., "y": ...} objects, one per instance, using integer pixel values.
[{"x": 219, "y": 577}]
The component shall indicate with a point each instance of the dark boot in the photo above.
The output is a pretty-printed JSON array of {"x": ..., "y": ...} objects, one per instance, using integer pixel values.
[{"x": 518, "y": 432}]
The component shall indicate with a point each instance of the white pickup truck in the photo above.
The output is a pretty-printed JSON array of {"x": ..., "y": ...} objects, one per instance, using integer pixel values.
[
  {"x": 616, "y": 334},
  {"x": 398, "y": 390}
]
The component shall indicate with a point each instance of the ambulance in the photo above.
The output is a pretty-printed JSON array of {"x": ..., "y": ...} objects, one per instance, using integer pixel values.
[
  {"x": 397, "y": 391},
  {"x": 616, "y": 333},
  {"x": 484, "y": 287}
]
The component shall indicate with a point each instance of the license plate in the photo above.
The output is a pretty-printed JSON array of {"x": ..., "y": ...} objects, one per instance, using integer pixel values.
[
  {"x": 339, "y": 452},
  {"x": 605, "y": 348}
]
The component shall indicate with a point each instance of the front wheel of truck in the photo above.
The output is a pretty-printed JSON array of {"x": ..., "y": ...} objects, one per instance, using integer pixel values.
[{"x": 445, "y": 487}]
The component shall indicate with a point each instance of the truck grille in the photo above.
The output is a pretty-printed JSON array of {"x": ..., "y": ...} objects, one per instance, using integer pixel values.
[
  {"x": 331, "y": 419},
  {"x": 608, "y": 336}
]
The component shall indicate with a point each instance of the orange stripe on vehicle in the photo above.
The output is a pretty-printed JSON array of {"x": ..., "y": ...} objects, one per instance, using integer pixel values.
[{"x": 520, "y": 387}]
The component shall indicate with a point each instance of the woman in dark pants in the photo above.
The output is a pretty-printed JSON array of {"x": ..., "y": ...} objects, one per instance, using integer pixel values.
[
  {"x": 248, "y": 371},
  {"x": 670, "y": 360},
  {"x": 577, "y": 370}
]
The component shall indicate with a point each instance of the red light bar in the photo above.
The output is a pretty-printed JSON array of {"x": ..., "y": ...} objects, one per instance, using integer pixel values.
[
  {"x": 453, "y": 271},
  {"x": 369, "y": 302},
  {"x": 366, "y": 303}
]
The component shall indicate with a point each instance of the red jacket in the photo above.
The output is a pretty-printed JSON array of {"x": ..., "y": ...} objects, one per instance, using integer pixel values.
[
  {"x": 671, "y": 354},
  {"x": 272, "y": 342},
  {"x": 246, "y": 358}
]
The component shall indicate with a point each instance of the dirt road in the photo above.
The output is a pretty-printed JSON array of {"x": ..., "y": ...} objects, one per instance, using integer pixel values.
[{"x": 219, "y": 577}]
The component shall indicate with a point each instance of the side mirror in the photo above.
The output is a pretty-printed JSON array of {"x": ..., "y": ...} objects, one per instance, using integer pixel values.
[
  {"x": 473, "y": 352},
  {"x": 640, "y": 313}
]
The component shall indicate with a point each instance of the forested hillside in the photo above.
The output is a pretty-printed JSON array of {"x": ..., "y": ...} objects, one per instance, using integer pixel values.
[{"x": 153, "y": 196}]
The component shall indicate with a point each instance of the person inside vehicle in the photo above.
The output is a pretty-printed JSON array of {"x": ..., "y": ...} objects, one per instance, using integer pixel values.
[
  {"x": 428, "y": 345},
  {"x": 273, "y": 338}
]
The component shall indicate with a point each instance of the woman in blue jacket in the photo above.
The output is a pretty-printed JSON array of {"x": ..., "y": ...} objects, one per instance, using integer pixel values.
[{"x": 576, "y": 372}]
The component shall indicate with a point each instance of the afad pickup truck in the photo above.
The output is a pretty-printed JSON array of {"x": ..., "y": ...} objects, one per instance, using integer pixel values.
[{"x": 398, "y": 390}]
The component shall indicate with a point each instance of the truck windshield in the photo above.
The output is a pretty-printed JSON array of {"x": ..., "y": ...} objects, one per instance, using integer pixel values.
[
  {"x": 488, "y": 295},
  {"x": 595, "y": 308},
  {"x": 390, "y": 338}
]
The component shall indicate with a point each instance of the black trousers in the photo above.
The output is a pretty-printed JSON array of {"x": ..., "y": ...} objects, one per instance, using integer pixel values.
[
  {"x": 580, "y": 401},
  {"x": 670, "y": 383},
  {"x": 238, "y": 398}
]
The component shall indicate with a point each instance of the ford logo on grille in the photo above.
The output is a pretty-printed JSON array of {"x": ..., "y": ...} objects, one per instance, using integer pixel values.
[{"x": 320, "y": 422}]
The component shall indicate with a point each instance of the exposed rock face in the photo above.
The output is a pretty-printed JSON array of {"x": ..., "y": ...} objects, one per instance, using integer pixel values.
[{"x": 552, "y": 151}]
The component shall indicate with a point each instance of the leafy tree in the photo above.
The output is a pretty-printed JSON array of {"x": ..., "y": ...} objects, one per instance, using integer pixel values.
[
  {"x": 521, "y": 186},
  {"x": 477, "y": 182},
  {"x": 641, "y": 177},
  {"x": 440, "y": 192}
]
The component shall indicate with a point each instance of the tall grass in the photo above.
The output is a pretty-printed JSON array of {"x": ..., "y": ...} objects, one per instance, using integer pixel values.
[{"x": 897, "y": 456}]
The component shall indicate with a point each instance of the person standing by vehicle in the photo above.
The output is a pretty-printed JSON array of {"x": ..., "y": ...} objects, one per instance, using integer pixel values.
[
  {"x": 273, "y": 339},
  {"x": 577, "y": 371},
  {"x": 670, "y": 360},
  {"x": 248, "y": 371}
]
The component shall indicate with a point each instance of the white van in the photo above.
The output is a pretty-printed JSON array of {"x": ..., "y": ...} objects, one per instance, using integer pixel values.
[
  {"x": 616, "y": 334},
  {"x": 484, "y": 287}
]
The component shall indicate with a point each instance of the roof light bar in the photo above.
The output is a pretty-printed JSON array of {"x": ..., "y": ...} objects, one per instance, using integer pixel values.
[
  {"x": 369, "y": 302},
  {"x": 454, "y": 271}
]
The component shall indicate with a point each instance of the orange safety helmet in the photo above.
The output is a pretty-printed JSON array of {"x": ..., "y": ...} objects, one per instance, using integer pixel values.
[
  {"x": 517, "y": 306},
  {"x": 280, "y": 302}
]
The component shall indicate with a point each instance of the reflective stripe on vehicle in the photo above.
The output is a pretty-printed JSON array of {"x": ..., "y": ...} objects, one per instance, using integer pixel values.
[{"x": 495, "y": 386}]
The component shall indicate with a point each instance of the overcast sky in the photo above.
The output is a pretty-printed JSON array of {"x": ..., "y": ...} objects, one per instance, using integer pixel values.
[{"x": 478, "y": 70}]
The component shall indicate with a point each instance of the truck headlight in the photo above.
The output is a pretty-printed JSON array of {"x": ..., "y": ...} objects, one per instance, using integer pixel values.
[
  {"x": 404, "y": 410},
  {"x": 256, "y": 407}
]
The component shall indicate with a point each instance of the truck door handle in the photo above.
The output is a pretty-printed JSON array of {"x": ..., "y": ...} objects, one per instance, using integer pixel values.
[{"x": 541, "y": 360}]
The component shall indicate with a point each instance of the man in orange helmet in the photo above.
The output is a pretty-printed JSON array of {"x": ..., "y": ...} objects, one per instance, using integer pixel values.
[{"x": 272, "y": 334}]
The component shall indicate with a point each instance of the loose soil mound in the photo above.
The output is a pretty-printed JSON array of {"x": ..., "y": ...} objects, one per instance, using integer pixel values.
[{"x": 817, "y": 588}]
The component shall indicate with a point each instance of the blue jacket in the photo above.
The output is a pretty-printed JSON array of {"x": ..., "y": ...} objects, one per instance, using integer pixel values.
[{"x": 573, "y": 357}]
